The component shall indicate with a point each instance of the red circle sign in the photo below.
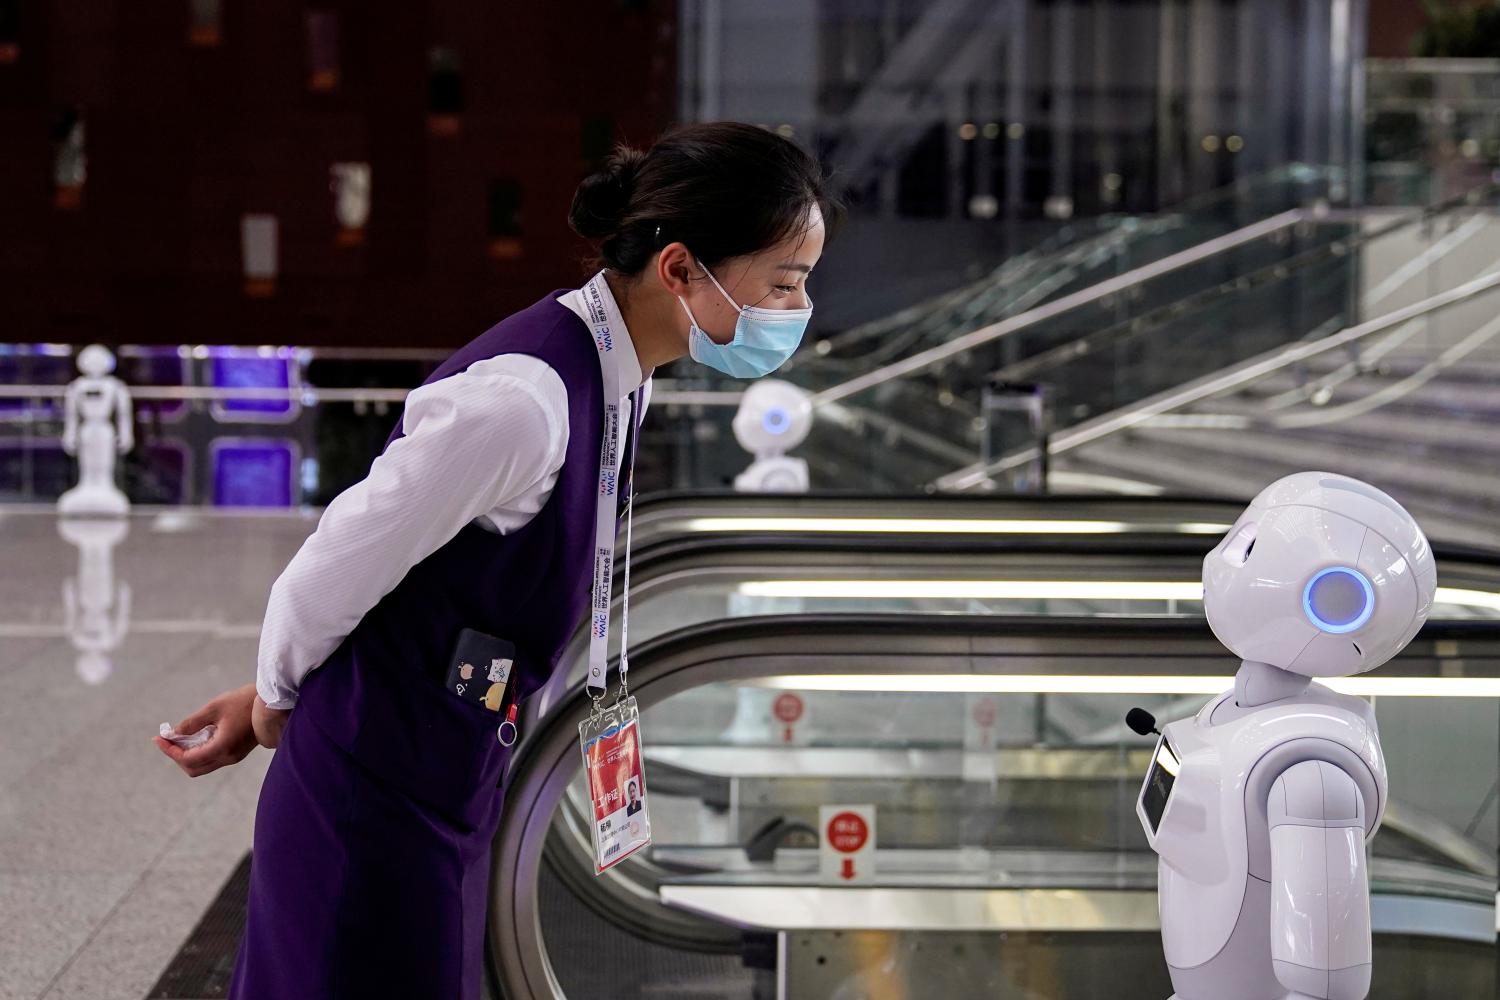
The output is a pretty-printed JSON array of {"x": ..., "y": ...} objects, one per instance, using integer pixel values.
[
  {"x": 788, "y": 707},
  {"x": 847, "y": 832}
]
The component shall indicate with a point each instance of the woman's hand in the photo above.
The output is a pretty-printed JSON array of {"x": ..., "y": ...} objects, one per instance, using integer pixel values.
[
  {"x": 234, "y": 736},
  {"x": 269, "y": 722}
]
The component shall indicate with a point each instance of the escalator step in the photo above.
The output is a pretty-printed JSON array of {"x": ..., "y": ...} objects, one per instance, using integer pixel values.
[{"x": 596, "y": 960}]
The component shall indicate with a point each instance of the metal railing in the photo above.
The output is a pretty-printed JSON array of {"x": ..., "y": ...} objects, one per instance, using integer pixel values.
[
  {"x": 1014, "y": 324},
  {"x": 1239, "y": 375}
]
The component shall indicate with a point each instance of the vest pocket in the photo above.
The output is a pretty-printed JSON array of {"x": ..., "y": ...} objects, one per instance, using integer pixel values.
[{"x": 410, "y": 731}]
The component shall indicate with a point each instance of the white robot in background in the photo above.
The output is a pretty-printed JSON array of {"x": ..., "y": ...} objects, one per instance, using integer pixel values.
[
  {"x": 1262, "y": 805},
  {"x": 774, "y": 417},
  {"x": 96, "y": 427}
]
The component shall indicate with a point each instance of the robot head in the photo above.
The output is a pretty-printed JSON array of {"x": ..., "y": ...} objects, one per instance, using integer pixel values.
[
  {"x": 95, "y": 360},
  {"x": 774, "y": 417},
  {"x": 1322, "y": 575}
]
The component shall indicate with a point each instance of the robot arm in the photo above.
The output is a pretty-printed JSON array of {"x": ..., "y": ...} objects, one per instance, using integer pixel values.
[
  {"x": 70, "y": 418},
  {"x": 124, "y": 418},
  {"x": 1320, "y": 887}
]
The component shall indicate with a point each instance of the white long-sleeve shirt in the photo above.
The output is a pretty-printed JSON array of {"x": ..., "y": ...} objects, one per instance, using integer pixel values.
[{"x": 483, "y": 445}]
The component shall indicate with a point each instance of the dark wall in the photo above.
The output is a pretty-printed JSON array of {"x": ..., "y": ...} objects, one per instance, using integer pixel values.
[
  {"x": 183, "y": 138},
  {"x": 1394, "y": 25}
]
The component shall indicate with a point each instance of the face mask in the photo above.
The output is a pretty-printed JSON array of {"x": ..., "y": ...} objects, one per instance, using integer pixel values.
[{"x": 763, "y": 338}]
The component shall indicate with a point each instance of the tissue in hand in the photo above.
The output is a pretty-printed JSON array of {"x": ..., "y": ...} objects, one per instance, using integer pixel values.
[{"x": 188, "y": 742}]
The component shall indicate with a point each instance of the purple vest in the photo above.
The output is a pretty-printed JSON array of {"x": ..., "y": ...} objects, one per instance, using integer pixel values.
[
  {"x": 383, "y": 701},
  {"x": 371, "y": 872}
]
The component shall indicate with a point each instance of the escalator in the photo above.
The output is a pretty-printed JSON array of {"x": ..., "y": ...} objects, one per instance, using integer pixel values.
[{"x": 1010, "y": 862}]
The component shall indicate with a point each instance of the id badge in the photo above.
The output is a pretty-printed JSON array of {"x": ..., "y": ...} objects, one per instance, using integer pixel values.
[{"x": 616, "y": 775}]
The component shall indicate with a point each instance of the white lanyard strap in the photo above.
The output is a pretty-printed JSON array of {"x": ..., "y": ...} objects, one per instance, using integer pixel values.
[
  {"x": 606, "y": 510},
  {"x": 635, "y": 447}
]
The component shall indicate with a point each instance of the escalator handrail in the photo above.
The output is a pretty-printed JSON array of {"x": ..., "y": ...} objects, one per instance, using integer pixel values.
[{"x": 1052, "y": 506}]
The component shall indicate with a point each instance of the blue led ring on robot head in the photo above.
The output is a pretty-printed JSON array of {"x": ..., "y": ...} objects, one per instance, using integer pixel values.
[
  {"x": 1338, "y": 600},
  {"x": 776, "y": 421}
]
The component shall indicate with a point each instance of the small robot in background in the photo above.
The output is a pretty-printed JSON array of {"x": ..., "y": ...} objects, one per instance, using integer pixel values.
[
  {"x": 1261, "y": 806},
  {"x": 774, "y": 417},
  {"x": 96, "y": 427}
]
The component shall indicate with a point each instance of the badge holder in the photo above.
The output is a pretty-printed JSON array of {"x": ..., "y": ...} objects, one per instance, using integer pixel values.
[{"x": 610, "y": 739}]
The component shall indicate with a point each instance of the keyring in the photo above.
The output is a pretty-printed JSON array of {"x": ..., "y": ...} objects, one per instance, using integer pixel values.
[{"x": 510, "y": 720}]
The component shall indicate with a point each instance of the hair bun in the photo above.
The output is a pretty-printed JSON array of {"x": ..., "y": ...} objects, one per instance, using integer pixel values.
[{"x": 603, "y": 198}]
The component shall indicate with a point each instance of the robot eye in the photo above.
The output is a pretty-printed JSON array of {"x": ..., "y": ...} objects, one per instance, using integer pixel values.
[
  {"x": 776, "y": 421},
  {"x": 1339, "y": 599}
]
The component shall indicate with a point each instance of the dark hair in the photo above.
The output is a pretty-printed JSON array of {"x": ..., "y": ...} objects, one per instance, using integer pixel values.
[{"x": 725, "y": 189}]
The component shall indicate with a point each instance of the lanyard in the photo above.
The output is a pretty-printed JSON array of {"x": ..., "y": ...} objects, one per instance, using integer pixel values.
[{"x": 604, "y": 321}]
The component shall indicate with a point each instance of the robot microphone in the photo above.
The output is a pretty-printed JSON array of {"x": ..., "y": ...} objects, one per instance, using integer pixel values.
[{"x": 1142, "y": 721}]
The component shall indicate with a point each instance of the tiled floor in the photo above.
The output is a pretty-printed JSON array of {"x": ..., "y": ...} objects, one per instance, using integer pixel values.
[{"x": 109, "y": 853}]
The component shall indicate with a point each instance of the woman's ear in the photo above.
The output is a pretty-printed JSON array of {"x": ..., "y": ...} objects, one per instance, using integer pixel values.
[{"x": 675, "y": 269}]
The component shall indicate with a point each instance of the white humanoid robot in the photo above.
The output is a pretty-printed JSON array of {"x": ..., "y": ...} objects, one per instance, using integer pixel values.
[
  {"x": 96, "y": 427},
  {"x": 1262, "y": 805},
  {"x": 774, "y": 417}
]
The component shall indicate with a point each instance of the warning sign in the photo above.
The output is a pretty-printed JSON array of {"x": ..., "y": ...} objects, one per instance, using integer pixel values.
[
  {"x": 788, "y": 708},
  {"x": 847, "y": 852}
]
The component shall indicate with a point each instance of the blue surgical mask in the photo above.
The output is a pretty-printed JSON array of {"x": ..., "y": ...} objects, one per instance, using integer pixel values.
[{"x": 763, "y": 338}]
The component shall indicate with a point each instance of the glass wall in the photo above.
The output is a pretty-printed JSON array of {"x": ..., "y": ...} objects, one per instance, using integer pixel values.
[
  {"x": 1432, "y": 127},
  {"x": 964, "y": 131}
]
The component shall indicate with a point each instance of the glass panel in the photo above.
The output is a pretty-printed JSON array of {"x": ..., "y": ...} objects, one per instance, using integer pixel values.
[
  {"x": 1431, "y": 127},
  {"x": 1043, "y": 795}
]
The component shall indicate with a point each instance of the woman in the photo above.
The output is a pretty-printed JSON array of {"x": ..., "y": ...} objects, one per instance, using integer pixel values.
[{"x": 373, "y": 830}]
